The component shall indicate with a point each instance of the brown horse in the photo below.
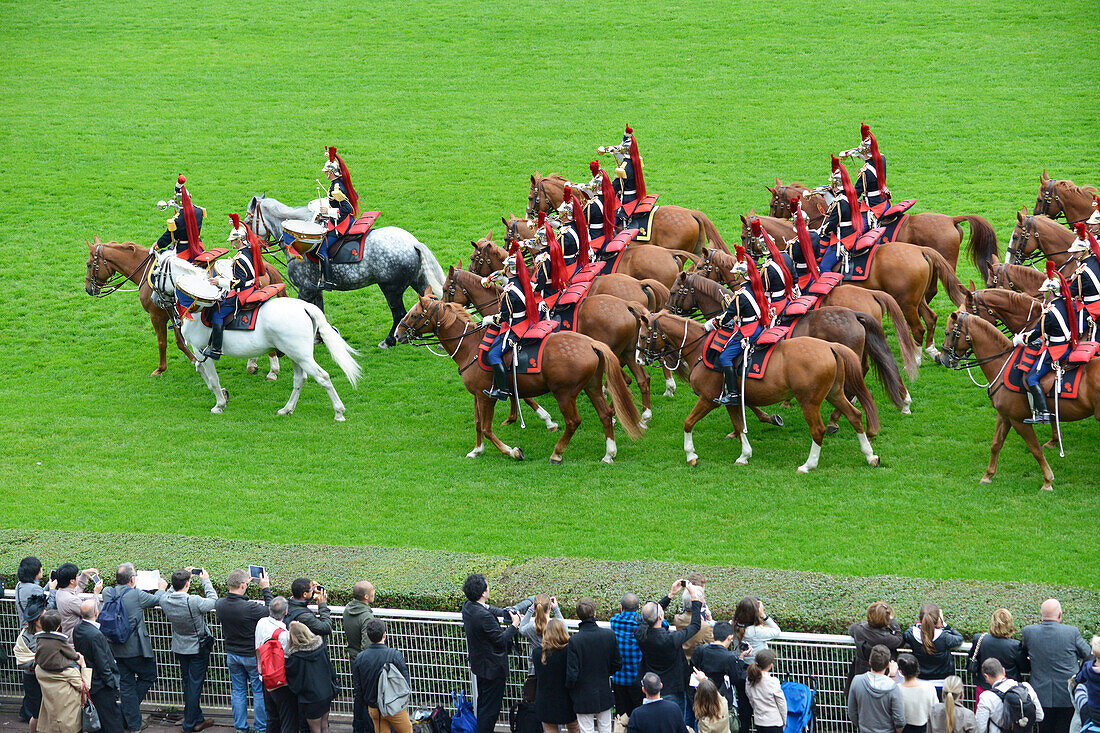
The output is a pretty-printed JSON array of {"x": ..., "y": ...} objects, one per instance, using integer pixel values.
[
  {"x": 122, "y": 261},
  {"x": 674, "y": 227},
  {"x": 605, "y": 318},
  {"x": 875, "y": 303},
  {"x": 1016, "y": 311},
  {"x": 640, "y": 261},
  {"x": 858, "y": 331},
  {"x": 806, "y": 369},
  {"x": 966, "y": 335},
  {"x": 1020, "y": 278},
  {"x": 572, "y": 363},
  {"x": 940, "y": 232},
  {"x": 1064, "y": 199},
  {"x": 1039, "y": 237}
]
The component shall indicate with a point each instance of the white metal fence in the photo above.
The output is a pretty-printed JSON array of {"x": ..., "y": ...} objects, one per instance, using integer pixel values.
[{"x": 435, "y": 649}]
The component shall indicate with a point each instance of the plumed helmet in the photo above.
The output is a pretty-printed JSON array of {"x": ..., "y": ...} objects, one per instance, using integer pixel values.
[
  {"x": 510, "y": 264},
  {"x": 627, "y": 134},
  {"x": 331, "y": 164},
  {"x": 566, "y": 208},
  {"x": 179, "y": 185},
  {"x": 1095, "y": 218},
  {"x": 740, "y": 267},
  {"x": 1052, "y": 284},
  {"x": 238, "y": 232}
]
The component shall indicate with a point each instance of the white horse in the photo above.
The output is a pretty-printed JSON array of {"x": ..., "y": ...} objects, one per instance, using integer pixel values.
[{"x": 286, "y": 324}]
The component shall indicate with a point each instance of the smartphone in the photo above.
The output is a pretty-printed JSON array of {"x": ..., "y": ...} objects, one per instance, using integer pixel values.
[
  {"x": 320, "y": 589},
  {"x": 743, "y": 646},
  {"x": 196, "y": 571},
  {"x": 256, "y": 570},
  {"x": 96, "y": 580},
  {"x": 53, "y": 575}
]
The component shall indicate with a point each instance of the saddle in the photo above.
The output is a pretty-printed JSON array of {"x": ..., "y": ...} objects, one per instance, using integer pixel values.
[
  {"x": 1025, "y": 356},
  {"x": 207, "y": 256},
  {"x": 825, "y": 283},
  {"x": 798, "y": 307},
  {"x": 348, "y": 249},
  {"x": 642, "y": 206},
  {"x": 896, "y": 210},
  {"x": 639, "y": 214},
  {"x": 528, "y": 352},
  {"x": 564, "y": 309},
  {"x": 858, "y": 266},
  {"x": 244, "y": 318},
  {"x": 610, "y": 253},
  {"x": 758, "y": 355}
]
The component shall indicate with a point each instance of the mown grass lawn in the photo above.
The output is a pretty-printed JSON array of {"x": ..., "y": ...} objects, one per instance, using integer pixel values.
[{"x": 442, "y": 110}]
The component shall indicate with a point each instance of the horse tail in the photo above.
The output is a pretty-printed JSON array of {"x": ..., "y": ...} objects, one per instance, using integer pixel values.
[
  {"x": 621, "y": 400},
  {"x": 656, "y": 292},
  {"x": 906, "y": 344},
  {"x": 707, "y": 228},
  {"x": 431, "y": 274},
  {"x": 983, "y": 241},
  {"x": 882, "y": 358},
  {"x": 855, "y": 385},
  {"x": 682, "y": 257},
  {"x": 338, "y": 348},
  {"x": 941, "y": 269}
]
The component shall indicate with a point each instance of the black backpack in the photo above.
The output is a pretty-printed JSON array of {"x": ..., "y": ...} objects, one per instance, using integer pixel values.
[{"x": 1017, "y": 710}]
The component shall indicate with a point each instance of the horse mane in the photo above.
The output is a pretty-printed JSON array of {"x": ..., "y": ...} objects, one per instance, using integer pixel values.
[
  {"x": 991, "y": 331},
  {"x": 712, "y": 289},
  {"x": 1016, "y": 300},
  {"x": 1053, "y": 224},
  {"x": 475, "y": 279},
  {"x": 1084, "y": 188}
]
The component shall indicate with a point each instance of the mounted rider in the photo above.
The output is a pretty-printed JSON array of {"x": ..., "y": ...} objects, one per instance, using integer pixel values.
[
  {"x": 745, "y": 315},
  {"x": 613, "y": 216},
  {"x": 870, "y": 182},
  {"x": 248, "y": 265},
  {"x": 518, "y": 312},
  {"x": 593, "y": 211},
  {"x": 339, "y": 214},
  {"x": 629, "y": 182},
  {"x": 574, "y": 227},
  {"x": 1085, "y": 281},
  {"x": 777, "y": 270},
  {"x": 1056, "y": 331},
  {"x": 802, "y": 249},
  {"x": 551, "y": 272},
  {"x": 841, "y": 228},
  {"x": 183, "y": 230}
]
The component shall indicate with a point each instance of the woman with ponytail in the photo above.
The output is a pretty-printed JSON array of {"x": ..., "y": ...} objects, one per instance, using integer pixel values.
[
  {"x": 950, "y": 716},
  {"x": 932, "y": 640},
  {"x": 533, "y": 625},
  {"x": 769, "y": 706}
]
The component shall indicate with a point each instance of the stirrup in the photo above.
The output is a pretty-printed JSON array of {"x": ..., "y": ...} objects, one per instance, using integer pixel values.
[
  {"x": 497, "y": 394},
  {"x": 1038, "y": 418},
  {"x": 210, "y": 353},
  {"x": 728, "y": 398}
]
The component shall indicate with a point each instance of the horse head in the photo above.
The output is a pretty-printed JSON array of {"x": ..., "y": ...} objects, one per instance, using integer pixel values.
[
  {"x": 487, "y": 257},
  {"x": 1047, "y": 201},
  {"x": 681, "y": 297},
  {"x": 422, "y": 319}
]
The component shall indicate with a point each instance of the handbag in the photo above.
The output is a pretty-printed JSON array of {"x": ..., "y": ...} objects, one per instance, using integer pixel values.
[
  {"x": 974, "y": 665},
  {"x": 206, "y": 641},
  {"x": 89, "y": 718}
]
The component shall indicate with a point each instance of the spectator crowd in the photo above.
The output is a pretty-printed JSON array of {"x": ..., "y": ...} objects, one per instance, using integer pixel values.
[{"x": 650, "y": 670}]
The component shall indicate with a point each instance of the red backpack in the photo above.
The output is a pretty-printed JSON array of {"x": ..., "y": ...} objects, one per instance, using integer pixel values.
[{"x": 272, "y": 662}]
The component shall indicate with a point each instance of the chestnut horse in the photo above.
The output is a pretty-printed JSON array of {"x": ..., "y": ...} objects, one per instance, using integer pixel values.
[
  {"x": 674, "y": 227},
  {"x": 938, "y": 231},
  {"x": 1016, "y": 311},
  {"x": 571, "y": 363},
  {"x": 806, "y": 369},
  {"x": 858, "y": 331},
  {"x": 1039, "y": 237},
  {"x": 1064, "y": 199},
  {"x": 991, "y": 349},
  {"x": 605, "y": 318},
  {"x": 1020, "y": 278},
  {"x": 124, "y": 261}
]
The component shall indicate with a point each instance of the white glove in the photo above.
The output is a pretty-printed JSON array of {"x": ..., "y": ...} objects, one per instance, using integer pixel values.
[
  {"x": 544, "y": 310},
  {"x": 1018, "y": 340},
  {"x": 491, "y": 319},
  {"x": 222, "y": 282},
  {"x": 709, "y": 325}
]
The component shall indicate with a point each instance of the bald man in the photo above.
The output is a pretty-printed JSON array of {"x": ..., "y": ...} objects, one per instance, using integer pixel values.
[{"x": 1054, "y": 652}]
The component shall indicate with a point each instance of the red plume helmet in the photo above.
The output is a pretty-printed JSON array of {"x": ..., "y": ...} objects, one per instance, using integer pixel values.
[
  {"x": 804, "y": 241},
  {"x": 530, "y": 302},
  {"x": 776, "y": 257},
  {"x": 850, "y": 194},
  {"x": 580, "y": 221},
  {"x": 190, "y": 223},
  {"x": 864, "y": 131},
  {"x": 557, "y": 259},
  {"x": 629, "y": 130},
  {"x": 594, "y": 166},
  {"x": 876, "y": 158},
  {"x": 756, "y": 284},
  {"x": 542, "y": 219},
  {"x": 1050, "y": 270},
  {"x": 1067, "y": 298},
  {"x": 352, "y": 196},
  {"x": 611, "y": 205},
  {"x": 636, "y": 165},
  {"x": 236, "y": 219},
  {"x": 1084, "y": 233}
]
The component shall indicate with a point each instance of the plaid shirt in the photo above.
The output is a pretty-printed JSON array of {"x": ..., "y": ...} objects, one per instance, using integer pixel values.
[{"x": 623, "y": 624}]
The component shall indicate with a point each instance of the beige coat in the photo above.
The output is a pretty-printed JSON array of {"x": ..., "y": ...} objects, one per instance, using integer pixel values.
[{"x": 62, "y": 699}]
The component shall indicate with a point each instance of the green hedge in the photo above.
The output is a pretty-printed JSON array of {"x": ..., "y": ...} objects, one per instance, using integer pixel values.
[{"x": 429, "y": 580}]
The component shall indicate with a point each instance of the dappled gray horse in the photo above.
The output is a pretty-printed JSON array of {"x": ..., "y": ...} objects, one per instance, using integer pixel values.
[{"x": 393, "y": 259}]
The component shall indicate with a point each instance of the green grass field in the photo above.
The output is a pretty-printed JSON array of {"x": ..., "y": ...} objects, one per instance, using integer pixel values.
[{"x": 442, "y": 110}]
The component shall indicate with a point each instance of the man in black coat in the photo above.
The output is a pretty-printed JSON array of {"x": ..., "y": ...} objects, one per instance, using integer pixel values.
[
  {"x": 90, "y": 641},
  {"x": 488, "y": 647},
  {"x": 366, "y": 670},
  {"x": 718, "y": 663},
  {"x": 656, "y": 715},
  {"x": 661, "y": 648},
  {"x": 592, "y": 657}
]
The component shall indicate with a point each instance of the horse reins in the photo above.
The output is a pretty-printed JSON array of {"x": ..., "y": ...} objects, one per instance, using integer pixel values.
[
  {"x": 968, "y": 364},
  {"x": 425, "y": 317},
  {"x": 102, "y": 290},
  {"x": 451, "y": 291}
]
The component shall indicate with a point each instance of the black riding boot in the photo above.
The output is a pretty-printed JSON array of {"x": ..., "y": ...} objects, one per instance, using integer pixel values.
[
  {"x": 326, "y": 274},
  {"x": 213, "y": 350},
  {"x": 731, "y": 395},
  {"x": 1039, "y": 411},
  {"x": 500, "y": 390}
]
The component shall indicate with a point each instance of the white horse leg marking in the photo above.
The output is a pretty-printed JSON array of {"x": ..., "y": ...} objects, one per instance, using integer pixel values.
[
  {"x": 477, "y": 451},
  {"x": 296, "y": 390},
  {"x": 546, "y": 418},
  {"x": 689, "y": 449},
  {"x": 612, "y": 451},
  {"x": 746, "y": 450},
  {"x": 906, "y": 404},
  {"x": 811, "y": 462},
  {"x": 933, "y": 352},
  {"x": 273, "y": 373},
  {"x": 670, "y": 386},
  {"x": 865, "y": 446}
]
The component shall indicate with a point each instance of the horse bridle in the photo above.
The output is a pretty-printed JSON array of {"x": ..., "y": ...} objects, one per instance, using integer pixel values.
[
  {"x": 954, "y": 360},
  {"x": 1049, "y": 192},
  {"x": 781, "y": 205},
  {"x": 534, "y": 201},
  {"x": 679, "y": 297},
  {"x": 480, "y": 258},
  {"x": 98, "y": 290},
  {"x": 451, "y": 291},
  {"x": 651, "y": 354}
]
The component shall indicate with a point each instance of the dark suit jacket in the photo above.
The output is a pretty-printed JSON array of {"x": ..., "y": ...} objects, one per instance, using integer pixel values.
[
  {"x": 1054, "y": 652},
  {"x": 593, "y": 656},
  {"x": 90, "y": 641},
  {"x": 661, "y": 652},
  {"x": 486, "y": 641},
  {"x": 660, "y": 716}
]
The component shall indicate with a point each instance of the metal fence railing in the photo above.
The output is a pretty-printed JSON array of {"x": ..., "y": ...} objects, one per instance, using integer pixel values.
[{"x": 435, "y": 649}]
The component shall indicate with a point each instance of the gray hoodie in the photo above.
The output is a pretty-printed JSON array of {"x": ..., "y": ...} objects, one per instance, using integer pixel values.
[{"x": 875, "y": 705}]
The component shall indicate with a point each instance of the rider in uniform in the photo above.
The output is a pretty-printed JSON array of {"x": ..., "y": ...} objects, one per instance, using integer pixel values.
[
  {"x": 840, "y": 228},
  {"x": 178, "y": 228},
  {"x": 777, "y": 272},
  {"x": 1084, "y": 283},
  {"x": 1057, "y": 331},
  {"x": 247, "y": 264},
  {"x": 550, "y": 269},
  {"x": 1093, "y": 222},
  {"x": 871, "y": 179},
  {"x": 593, "y": 212},
  {"x": 747, "y": 317},
  {"x": 572, "y": 218},
  {"x": 515, "y": 301},
  {"x": 802, "y": 250},
  {"x": 629, "y": 182},
  {"x": 344, "y": 203}
]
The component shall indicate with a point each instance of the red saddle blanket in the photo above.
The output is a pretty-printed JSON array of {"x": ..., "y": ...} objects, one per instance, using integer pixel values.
[
  {"x": 564, "y": 308},
  {"x": 1020, "y": 364},
  {"x": 249, "y": 302},
  {"x": 758, "y": 356},
  {"x": 348, "y": 249},
  {"x": 1085, "y": 352},
  {"x": 207, "y": 256},
  {"x": 897, "y": 209},
  {"x": 640, "y": 214},
  {"x": 825, "y": 283},
  {"x": 637, "y": 207},
  {"x": 528, "y": 352},
  {"x": 859, "y": 259}
]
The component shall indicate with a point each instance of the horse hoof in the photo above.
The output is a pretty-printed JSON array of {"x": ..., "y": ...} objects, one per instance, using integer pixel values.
[
  {"x": 733, "y": 434},
  {"x": 252, "y": 368},
  {"x": 555, "y": 460},
  {"x": 340, "y": 417},
  {"x": 552, "y": 427},
  {"x": 1046, "y": 487},
  {"x": 284, "y": 411},
  {"x": 906, "y": 410},
  {"x": 693, "y": 461},
  {"x": 608, "y": 460},
  {"x": 742, "y": 461},
  {"x": 384, "y": 344},
  {"x": 1050, "y": 444},
  {"x": 874, "y": 462},
  {"x": 157, "y": 372},
  {"x": 830, "y": 429},
  {"x": 217, "y": 410},
  {"x": 508, "y": 421},
  {"x": 519, "y": 455},
  {"x": 985, "y": 480},
  {"x": 272, "y": 376},
  {"x": 777, "y": 420},
  {"x": 803, "y": 469},
  {"x": 474, "y": 453}
]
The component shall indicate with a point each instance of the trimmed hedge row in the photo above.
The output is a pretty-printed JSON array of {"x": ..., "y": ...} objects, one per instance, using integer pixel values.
[{"x": 432, "y": 580}]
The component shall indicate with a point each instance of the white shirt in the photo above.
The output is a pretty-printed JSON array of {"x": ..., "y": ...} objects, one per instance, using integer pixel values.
[
  {"x": 990, "y": 705},
  {"x": 265, "y": 629}
]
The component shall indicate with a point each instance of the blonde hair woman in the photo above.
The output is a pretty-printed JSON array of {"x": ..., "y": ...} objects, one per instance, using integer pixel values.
[
  {"x": 553, "y": 704},
  {"x": 950, "y": 716},
  {"x": 310, "y": 675},
  {"x": 997, "y": 643}
]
